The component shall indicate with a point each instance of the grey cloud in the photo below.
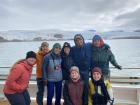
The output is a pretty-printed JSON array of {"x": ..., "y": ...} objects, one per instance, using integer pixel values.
[
  {"x": 62, "y": 13},
  {"x": 130, "y": 20}
]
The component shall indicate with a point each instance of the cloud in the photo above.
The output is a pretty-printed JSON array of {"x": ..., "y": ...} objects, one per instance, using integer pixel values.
[
  {"x": 130, "y": 20},
  {"x": 64, "y": 14}
]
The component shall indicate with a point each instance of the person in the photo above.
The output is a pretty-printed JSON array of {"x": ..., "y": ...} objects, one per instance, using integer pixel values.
[
  {"x": 15, "y": 88},
  {"x": 102, "y": 55},
  {"x": 52, "y": 74},
  {"x": 100, "y": 91},
  {"x": 43, "y": 50},
  {"x": 74, "y": 88},
  {"x": 81, "y": 55},
  {"x": 67, "y": 60}
]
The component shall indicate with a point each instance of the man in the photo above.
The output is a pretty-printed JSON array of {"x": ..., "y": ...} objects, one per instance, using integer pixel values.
[{"x": 81, "y": 54}]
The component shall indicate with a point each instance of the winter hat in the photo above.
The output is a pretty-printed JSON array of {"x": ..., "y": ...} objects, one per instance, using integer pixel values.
[
  {"x": 96, "y": 69},
  {"x": 56, "y": 45},
  {"x": 44, "y": 44},
  {"x": 74, "y": 68},
  {"x": 30, "y": 54},
  {"x": 66, "y": 44},
  {"x": 98, "y": 37}
]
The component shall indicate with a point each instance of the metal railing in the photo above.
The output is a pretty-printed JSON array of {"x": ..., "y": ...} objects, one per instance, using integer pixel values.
[{"x": 113, "y": 79}]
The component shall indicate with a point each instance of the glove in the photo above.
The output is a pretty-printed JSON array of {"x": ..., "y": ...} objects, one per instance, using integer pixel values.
[{"x": 119, "y": 67}]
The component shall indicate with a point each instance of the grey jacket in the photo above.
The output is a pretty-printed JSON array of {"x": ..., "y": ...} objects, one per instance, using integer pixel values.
[{"x": 52, "y": 67}]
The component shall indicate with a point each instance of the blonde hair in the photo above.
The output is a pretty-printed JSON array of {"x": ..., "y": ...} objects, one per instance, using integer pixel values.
[{"x": 43, "y": 44}]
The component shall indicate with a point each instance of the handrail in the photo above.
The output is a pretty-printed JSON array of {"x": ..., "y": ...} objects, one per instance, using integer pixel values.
[
  {"x": 126, "y": 67},
  {"x": 109, "y": 67}
]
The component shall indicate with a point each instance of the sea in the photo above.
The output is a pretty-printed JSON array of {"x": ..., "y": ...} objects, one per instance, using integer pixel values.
[{"x": 126, "y": 52}]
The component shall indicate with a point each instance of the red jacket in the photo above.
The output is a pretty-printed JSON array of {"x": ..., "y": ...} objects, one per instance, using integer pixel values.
[{"x": 18, "y": 79}]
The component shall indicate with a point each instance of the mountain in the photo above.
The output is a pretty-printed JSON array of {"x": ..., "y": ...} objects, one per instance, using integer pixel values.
[
  {"x": 43, "y": 34},
  {"x": 54, "y": 34},
  {"x": 120, "y": 34}
]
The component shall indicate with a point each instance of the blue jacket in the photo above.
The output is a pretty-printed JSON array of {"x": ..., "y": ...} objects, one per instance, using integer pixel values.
[
  {"x": 82, "y": 57},
  {"x": 52, "y": 67}
]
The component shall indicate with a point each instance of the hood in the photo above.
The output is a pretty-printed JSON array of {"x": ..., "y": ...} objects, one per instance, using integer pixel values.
[
  {"x": 25, "y": 64},
  {"x": 66, "y": 44}
]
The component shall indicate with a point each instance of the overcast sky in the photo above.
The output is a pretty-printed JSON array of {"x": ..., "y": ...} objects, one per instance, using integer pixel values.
[{"x": 101, "y": 15}]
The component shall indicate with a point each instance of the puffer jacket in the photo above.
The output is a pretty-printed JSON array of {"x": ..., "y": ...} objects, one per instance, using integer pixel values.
[
  {"x": 18, "y": 79},
  {"x": 101, "y": 58},
  {"x": 82, "y": 57},
  {"x": 52, "y": 67}
]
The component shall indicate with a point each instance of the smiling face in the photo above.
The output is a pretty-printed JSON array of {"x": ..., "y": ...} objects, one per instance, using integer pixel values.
[
  {"x": 31, "y": 61},
  {"x": 45, "y": 49},
  {"x": 74, "y": 75},
  {"x": 97, "y": 43},
  {"x": 57, "y": 51},
  {"x": 79, "y": 42},
  {"x": 67, "y": 50},
  {"x": 96, "y": 76}
]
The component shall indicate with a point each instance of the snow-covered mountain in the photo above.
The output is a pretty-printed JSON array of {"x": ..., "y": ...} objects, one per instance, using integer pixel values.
[
  {"x": 120, "y": 34},
  {"x": 50, "y": 34},
  {"x": 44, "y": 34}
]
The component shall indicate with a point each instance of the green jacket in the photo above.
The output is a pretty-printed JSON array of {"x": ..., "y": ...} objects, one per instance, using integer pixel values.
[{"x": 101, "y": 58}]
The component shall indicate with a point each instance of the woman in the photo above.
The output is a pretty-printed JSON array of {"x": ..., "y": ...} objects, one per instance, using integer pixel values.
[
  {"x": 102, "y": 55},
  {"x": 100, "y": 91},
  {"x": 43, "y": 50},
  {"x": 15, "y": 88},
  {"x": 52, "y": 74}
]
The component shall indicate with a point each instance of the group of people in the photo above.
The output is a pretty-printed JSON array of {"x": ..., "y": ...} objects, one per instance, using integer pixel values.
[{"x": 71, "y": 66}]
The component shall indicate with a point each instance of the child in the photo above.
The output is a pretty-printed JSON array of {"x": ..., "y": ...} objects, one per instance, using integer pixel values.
[
  {"x": 100, "y": 91},
  {"x": 74, "y": 88}
]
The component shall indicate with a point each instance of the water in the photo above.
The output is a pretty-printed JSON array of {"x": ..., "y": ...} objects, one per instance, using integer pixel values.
[{"x": 126, "y": 51}]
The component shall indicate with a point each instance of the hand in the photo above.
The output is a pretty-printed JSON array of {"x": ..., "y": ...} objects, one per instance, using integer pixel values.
[
  {"x": 119, "y": 67},
  {"x": 45, "y": 82}
]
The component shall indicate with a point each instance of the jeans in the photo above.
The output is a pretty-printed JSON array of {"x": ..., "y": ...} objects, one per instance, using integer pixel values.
[{"x": 50, "y": 92}]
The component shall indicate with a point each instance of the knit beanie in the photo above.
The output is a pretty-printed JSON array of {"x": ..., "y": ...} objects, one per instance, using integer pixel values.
[
  {"x": 74, "y": 68},
  {"x": 56, "y": 45},
  {"x": 96, "y": 69},
  {"x": 30, "y": 54}
]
